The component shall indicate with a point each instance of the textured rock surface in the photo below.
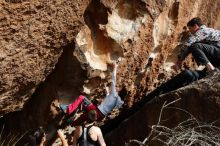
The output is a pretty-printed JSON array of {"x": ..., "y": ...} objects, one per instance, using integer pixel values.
[
  {"x": 196, "y": 99},
  {"x": 57, "y": 49},
  {"x": 33, "y": 35}
]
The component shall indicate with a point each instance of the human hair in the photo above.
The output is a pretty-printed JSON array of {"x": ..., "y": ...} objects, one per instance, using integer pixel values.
[
  {"x": 195, "y": 21},
  {"x": 92, "y": 115}
]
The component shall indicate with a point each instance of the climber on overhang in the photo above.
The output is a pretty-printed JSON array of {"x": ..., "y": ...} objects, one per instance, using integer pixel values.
[
  {"x": 111, "y": 101},
  {"x": 204, "y": 45}
]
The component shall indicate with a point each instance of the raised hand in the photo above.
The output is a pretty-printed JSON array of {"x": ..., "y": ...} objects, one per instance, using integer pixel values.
[{"x": 177, "y": 65}]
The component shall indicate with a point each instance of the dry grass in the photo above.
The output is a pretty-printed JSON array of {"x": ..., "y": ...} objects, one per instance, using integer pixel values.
[
  {"x": 9, "y": 140},
  {"x": 186, "y": 133}
]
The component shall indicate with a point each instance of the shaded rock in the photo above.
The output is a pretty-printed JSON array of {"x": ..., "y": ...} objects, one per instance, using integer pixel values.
[
  {"x": 200, "y": 99},
  {"x": 59, "y": 49},
  {"x": 33, "y": 35}
]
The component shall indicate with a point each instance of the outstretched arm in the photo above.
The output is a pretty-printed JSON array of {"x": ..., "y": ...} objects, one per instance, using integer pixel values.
[
  {"x": 113, "y": 84},
  {"x": 43, "y": 140},
  {"x": 107, "y": 90},
  {"x": 62, "y": 137},
  {"x": 76, "y": 135}
]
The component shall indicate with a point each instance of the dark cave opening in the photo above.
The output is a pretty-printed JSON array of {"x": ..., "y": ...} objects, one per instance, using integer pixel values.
[{"x": 63, "y": 83}]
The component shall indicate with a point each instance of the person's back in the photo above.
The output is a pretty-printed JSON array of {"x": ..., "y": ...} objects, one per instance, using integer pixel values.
[{"x": 89, "y": 135}]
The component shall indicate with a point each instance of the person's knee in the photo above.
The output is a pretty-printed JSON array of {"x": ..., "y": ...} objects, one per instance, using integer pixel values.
[
  {"x": 195, "y": 47},
  {"x": 189, "y": 76}
]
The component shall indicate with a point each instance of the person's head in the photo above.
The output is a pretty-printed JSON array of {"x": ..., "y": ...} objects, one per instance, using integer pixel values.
[
  {"x": 194, "y": 24},
  {"x": 92, "y": 115},
  {"x": 109, "y": 85}
]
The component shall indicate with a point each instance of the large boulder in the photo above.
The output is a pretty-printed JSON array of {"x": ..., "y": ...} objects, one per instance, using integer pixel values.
[
  {"x": 60, "y": 48},
  {"x": 32, "y": 37}
]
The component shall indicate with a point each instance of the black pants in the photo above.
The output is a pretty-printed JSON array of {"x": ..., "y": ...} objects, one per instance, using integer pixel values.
[
  {"x": 205, "y": 53},
  {"x": 184, "y": 78}
]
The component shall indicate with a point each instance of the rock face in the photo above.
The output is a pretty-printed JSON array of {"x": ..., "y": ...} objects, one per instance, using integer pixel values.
[
  {"x": 195, "y": 99},
  {"x": 58, "y": 49},
  {"x": 33, "y": 35}
]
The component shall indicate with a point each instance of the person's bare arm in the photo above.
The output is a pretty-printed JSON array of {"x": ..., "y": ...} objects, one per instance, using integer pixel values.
[
  {"x": 62, "y": 137},
  {"x": 100, "y": 137},
  {"x": 107, "y": 90},
  {"x": 43, "y": 140},
  {"x": 113, "y": 84},
  {"x": 76, "y": 135}
]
